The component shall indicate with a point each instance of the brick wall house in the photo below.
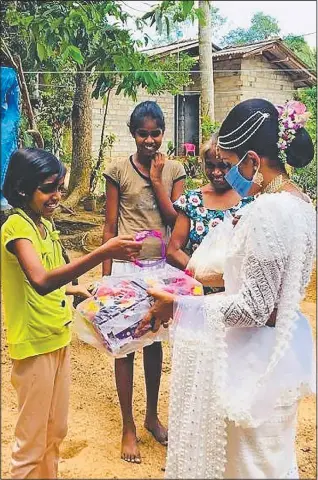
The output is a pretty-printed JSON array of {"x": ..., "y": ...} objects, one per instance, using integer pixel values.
[
  {"x": 119, "y": 110},
  {"x": 265, "y": 69}
]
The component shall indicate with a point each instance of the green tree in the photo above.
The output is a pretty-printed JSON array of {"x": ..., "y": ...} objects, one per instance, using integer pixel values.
[
  {"x": 10, "y": 33},
  {"x": 13, "y": 48},
  {"x": 55, "y": 108},
  {"x": 307, "y": 177},
  {"x": 206, "y": 64},
  {"x": 87, "y": 38},
  {"x": 172, "y": 33},
  {"x": 171, "y": 12},
  {"x": 262, "y": 27},
  {"x": 298, "y": 45}
]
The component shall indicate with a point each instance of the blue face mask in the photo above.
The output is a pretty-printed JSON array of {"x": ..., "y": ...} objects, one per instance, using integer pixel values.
[{"x": 239, "y": 183}]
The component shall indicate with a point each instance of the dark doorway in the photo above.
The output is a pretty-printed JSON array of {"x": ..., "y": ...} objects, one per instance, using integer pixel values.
[{"x": 187, "y": 121}]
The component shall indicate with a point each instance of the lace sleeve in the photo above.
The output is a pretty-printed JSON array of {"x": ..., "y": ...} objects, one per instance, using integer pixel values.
[
  {"x": 255, "y": 302},
  {"x": 275, "y": 242},
  {"x": 264, "y": 238}
]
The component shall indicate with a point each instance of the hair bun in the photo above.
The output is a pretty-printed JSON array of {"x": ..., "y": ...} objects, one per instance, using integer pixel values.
[{"x": 301, "y": 150}]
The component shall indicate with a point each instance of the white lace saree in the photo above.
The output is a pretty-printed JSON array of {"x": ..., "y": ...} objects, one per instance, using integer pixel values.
[{"x": 235, "y": 382}]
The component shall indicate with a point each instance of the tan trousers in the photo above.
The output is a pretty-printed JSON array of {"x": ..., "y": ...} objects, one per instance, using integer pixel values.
[{"x": 42, "y": 385}]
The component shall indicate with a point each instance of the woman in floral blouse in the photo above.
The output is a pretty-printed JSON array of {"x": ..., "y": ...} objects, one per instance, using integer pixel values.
[{"x": 202, "y": 209}]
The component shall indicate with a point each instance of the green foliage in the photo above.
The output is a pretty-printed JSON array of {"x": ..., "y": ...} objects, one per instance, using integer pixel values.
[
  {"x": 53, "y": 113},
  {"x": 208, "y": 127},
  {"x": 192, "y": 165},
  {"x": 217, "y": 20},
  {"x": 56, "y": 97},
  {"x": 307, "y": 177},
  {"x": 79, "y": 32},
  {"x": 170, "y": 33},
  {"x": 176, "y": 72},
  {"x": 196, "y": 176},
  {"x": 158, "y": 75},
  {"x": 108, "y": 143},
  {"x": 193, "y": 168},
  {"x": 171, "y": 149},
  {"x": 10, "y": 34},
  {"x": 98, "y": 182},
  {"x": 66, "y": 157},
  {"x": 174, "y": 15},
  {"x": 169, "y": 10},
  {"x": 46, "y": 132},
  {"x": 265, "y": 26},
  {"x": 299, "y": 46},
  {"x": 192, "y": 183},
  {"x": 262, "y": 27},
  {"x": 93, "y": 36},
  {"x": 25, "y": 139}
]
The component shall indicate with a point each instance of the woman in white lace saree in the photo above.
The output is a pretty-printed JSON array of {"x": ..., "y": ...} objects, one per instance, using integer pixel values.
[{"x": 236, "y": 382}]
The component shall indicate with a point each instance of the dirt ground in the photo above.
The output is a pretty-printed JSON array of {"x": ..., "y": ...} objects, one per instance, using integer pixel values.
[{"x": 92, "y": 446}]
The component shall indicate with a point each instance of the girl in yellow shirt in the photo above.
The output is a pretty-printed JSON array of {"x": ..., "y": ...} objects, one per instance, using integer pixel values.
[{"x": 37, "y": 315}]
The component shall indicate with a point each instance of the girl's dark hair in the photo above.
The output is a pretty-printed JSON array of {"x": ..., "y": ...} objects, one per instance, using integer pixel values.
[
  {"x": 146, "y": 109},
  {"x": 27, "y": 169},
  {"x": 299, "y": 153}
]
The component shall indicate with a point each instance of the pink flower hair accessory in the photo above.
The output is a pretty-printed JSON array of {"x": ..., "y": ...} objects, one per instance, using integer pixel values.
[{"x": 291, "y": 117}]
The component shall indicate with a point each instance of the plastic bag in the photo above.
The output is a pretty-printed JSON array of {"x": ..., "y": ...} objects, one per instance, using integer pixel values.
[
  {"x": 108, "y": 320},
  {"x": 103, "y": 336},
  {"x": 210, "y": 255},
  {"x": 10, "y": 117}
]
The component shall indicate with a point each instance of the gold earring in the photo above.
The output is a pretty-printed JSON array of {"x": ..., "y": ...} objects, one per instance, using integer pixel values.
[{"x": 258, "y": 179}]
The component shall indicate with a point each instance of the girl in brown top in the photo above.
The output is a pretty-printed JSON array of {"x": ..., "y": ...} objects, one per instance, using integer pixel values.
[{"x": 140, "y": 195}]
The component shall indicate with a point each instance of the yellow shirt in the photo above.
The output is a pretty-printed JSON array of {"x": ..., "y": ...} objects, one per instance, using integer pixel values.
[{"x": 35, "y": 324}]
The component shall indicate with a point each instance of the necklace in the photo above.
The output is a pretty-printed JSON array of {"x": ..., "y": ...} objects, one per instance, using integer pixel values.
[{"x": 277, "y": 184}]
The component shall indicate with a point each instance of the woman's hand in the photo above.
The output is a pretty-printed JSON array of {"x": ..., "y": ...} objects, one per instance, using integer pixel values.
[
  {"x": 160, "y": 313},
  {"x": 156, "y": 168},
  {"x": 78, "y": 290},
  {"x": 123, "y": 247},
  {"x": 212, "y": 280}
]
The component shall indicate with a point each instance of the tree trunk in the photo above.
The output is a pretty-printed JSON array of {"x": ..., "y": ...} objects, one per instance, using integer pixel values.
[
  {"x": 93, "y": 179},
  {"x": 205, "y": 62},
  {"x": 81, "y": 140},
  {"x": 57, "y": 139},
  {"x": 27, "y": 104}
]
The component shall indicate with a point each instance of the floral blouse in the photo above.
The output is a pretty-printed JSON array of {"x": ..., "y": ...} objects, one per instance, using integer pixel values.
[{"x": 202, "y": 218}]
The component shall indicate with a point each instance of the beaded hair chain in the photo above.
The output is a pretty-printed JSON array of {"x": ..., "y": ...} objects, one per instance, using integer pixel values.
[{"x": 291, "y": 117}]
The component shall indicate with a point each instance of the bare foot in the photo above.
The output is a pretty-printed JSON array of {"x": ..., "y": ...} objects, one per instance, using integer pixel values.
[
  {"x": 158, "y": 430},
  {"x": 129, "y": 449}
]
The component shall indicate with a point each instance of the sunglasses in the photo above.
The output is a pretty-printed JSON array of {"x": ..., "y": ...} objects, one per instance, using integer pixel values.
[
  {"x": 220, "y": 165},
  {"x": 146, "y": 133},
  {"x": 50, "y": 187}
]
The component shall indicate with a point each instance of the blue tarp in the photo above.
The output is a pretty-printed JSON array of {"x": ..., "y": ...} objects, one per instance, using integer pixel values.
[{"x": 10, "y": 117}]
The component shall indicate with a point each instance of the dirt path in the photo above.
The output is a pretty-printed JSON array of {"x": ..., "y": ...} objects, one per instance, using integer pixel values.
[{"x": 91, "y": 449}]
